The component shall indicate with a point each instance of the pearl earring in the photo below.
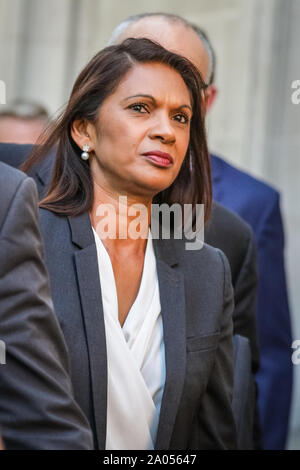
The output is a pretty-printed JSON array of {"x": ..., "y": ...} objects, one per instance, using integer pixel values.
[{"x": 85, "y": 155}]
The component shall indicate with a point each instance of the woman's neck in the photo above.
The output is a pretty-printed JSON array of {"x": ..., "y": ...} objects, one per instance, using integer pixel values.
[{"x": 121, "y": 221}]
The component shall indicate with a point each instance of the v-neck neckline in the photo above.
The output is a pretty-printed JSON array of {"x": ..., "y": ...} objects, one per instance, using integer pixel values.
[{"x": 112, "y": 282}]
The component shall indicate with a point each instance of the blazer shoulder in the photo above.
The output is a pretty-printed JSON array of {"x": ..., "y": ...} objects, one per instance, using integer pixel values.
[
  {"x": 55, "y": 229},
  {"x": 231, "y": 234},
  {"x": 49, "y": 217},
  {"x": 208, "y": 261},
  {"x": 10, "y": 182},
  {"x": 51, "y": 220},
  {"x": 10, "y": 178},
  {"x": 207, "y": 282}
]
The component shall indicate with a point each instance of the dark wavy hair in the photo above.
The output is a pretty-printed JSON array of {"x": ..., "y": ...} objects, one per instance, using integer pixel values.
[{"x": 71, "y": 187}]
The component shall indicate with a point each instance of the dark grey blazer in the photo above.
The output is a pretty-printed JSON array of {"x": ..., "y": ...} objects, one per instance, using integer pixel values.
[
  {"x": 197, "y": 305},
  {"x": 37, "y": 406}
]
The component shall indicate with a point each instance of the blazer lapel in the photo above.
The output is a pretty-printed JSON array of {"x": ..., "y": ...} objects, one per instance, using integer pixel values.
[
  {"x": 172, "y": 297},
  {"x": 91, "y": 301}
]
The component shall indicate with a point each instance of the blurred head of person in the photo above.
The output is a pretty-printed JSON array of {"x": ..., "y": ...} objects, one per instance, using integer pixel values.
[
  {"x": 177, "y": 35},
  {"x": 22, "y": 122},
  {"x": 139, "y": 109}
]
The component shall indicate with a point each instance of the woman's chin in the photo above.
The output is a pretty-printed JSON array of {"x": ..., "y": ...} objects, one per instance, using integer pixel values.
[
  {"x": 155, "y": 182},
  {"x": 155, "y": 187}
]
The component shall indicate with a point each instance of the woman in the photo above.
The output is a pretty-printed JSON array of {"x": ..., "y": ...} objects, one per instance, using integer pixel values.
[{"x": 150, "y": 351}]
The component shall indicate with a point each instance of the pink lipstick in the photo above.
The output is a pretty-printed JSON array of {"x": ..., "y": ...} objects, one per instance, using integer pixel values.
[{"x": 159, "y": 158}]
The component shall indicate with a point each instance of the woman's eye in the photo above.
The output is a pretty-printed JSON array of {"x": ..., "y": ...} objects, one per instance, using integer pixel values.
[
  {"x": 182, "y": 118},
  {"x": 139, "y": 108}
]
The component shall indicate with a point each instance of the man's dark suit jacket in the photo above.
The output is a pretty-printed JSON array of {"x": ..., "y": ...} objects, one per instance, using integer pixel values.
[
  {"x": 37, "y": 406},
  {"x": 258, "y": 204}
]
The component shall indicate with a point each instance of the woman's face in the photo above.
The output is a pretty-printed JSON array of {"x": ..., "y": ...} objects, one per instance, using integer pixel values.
[{"x": 143, "y": 132}]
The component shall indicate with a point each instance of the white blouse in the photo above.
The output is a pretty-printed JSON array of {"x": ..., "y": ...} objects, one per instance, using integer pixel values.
[{"x": 135, "y": 357}]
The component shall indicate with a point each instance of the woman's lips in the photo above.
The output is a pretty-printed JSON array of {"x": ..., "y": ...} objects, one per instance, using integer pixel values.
[{"x": 159, "y": 158}]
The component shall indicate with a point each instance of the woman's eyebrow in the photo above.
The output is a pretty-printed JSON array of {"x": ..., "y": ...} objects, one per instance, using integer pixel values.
[
  {"x": 185, "y": 106},
  {"x": 141, "y": 95}
]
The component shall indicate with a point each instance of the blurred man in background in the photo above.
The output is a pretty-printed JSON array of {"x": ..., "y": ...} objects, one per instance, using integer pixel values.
[
  {"x": 258, "y": 204},
  {"x": 22, "y": 122}
]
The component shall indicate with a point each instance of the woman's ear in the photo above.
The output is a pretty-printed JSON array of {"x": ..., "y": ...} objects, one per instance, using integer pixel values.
[{"x": 80, "y": 133}]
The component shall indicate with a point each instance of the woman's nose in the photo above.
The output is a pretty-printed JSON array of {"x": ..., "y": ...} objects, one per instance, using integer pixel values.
[{"x": 162, "y": 129}]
